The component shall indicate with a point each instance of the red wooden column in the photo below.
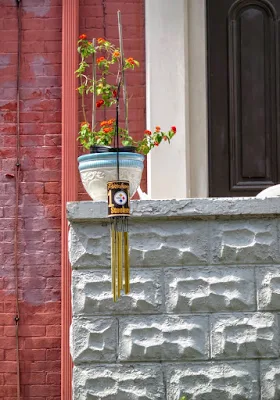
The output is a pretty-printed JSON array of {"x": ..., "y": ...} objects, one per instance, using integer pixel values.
[{"x": 70, "y": 30}]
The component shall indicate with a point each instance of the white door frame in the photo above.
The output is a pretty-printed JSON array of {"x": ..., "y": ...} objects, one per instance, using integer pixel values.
[{"x": 176, "y": 81}]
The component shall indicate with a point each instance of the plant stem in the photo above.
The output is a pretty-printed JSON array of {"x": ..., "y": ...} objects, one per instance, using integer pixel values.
[
  {"x": 83, "y": 101},
  {"x": 125, "y": 99}
]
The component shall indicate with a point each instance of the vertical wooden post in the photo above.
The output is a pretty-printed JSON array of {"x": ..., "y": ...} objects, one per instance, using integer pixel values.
[{"x": 70, "y": 31}]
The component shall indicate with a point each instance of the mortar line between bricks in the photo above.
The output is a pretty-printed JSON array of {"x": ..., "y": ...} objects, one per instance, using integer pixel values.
[
  {"x": 190, "y": 266},
  {"x": 164, "y": 380},
  {"x": 163, "y": 285},
  {"x": 209, "y": 244},
  {"x": 202, "y": 314},
  {"x": 259, "y": 378},
  {"x": 118, "y": 341},
  {"x": 209, "y": 338},
  {"x": 177, "y": 362},
  {"x": 256, "y": 290}
]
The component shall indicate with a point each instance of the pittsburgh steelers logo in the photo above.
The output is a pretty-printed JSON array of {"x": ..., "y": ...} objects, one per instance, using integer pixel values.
[{"x": 120, "y": 198}]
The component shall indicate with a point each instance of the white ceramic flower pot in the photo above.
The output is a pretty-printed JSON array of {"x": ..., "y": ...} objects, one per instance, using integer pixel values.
[{"x": 97, "y": 169}]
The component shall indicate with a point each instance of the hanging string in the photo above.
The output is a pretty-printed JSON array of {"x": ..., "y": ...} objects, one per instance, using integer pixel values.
[
  {"x": 17, "y": 182},
  {"x": 116, "y": 138}
]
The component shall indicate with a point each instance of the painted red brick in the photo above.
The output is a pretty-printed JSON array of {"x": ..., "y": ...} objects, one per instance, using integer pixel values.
[
  {"x": 40, "y": 115},
  {"x": 40, "y": 175}
]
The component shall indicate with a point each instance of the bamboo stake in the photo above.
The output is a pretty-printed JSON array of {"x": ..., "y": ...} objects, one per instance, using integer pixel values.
[
  {"x": 125, "y": 99},
  {"x": 94, "y": 87}
]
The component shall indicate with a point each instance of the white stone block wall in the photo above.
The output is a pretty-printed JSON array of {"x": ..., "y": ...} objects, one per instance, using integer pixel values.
[{"x": 202, "y": 319}]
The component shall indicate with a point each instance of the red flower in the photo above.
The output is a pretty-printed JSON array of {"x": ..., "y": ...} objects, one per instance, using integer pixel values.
[
  {"x": 114, "y": 93},
  {"x": 100, "y": 59},
  {"x": 157, "y": 128},
  {"x": 82, "y": 37},
  {"x": 99, "y": 103},
  {"x": 147, "y": 132},
  {"x": 173, "y": 128},
  {"x": 130, "y": 61},
  {"x": 101, "y": 40},
  {"x": 156, "y": 143}
]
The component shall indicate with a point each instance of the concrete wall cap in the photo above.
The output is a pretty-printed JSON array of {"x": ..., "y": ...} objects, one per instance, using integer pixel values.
[{"x": 205, "y": 208}]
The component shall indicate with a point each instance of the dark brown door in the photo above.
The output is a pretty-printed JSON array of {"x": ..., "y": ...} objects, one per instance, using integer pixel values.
[{"x": 243, "y": 96}]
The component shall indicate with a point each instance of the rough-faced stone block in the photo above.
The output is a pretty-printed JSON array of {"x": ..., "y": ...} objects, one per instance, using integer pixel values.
[
  {"x": 213, "y": 381},
  {"x": 89, "y": 245},
  {"x": 245, "y": 241},
  {"x": 118, "y": 382},
  {"x": 245, "y": 336},
  {"x": 94, "y": 340},
  {"x": 270, "y": 380},
  {"x": 157, "y": 244},
  {"x": 92, "y": 292},
  {"x": 163, "y": 338},
  {"x": 268, "y": 288},
  {"x": 162, "y": 243},
  {"x": 209, "y": 290}
]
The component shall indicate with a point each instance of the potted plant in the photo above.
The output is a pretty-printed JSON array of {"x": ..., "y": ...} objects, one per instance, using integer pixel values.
[{"x": 109, "y": 144}]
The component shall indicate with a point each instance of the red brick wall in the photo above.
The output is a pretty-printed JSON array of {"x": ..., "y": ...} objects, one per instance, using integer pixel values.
[
  {"x": 39, "y": 236},
  {"x": 98, "y": 18},
  {"x": 39, "y": 214}
]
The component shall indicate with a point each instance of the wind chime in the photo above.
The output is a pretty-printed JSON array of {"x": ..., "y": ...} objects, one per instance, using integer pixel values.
[
  {"x": 119, "y": 200},
  {"x": 118, "y": 212},
  {"x": 118, "y": 190}
]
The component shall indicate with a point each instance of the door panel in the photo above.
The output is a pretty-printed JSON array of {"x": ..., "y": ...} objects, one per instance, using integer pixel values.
[{"x": 243, "y": 96}]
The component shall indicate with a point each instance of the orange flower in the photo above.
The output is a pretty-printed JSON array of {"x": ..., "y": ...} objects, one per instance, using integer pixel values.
[
  {"x": 130, "y": 61},
  {"x": 158, "y": 128},
  {"x": 103, "y": 123},
  {"x": 116, "y": 53},
  {"x": 89, "y": 43},
  {"x": 82, "y": 37},
  {"x": 101, "y": 40},
  {"x": 100, "y": 59},
  {"x": 111, "y": 121},
  {"x": 99, "y": 103},
  {"x": 147, "y": 132},
  {"x": 173, "y": 128},
  {"x": 107, "y": 130},
  {"x": 84, "y": 123}
]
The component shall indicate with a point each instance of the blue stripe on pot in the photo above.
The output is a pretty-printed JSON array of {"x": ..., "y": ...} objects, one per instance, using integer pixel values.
[{"x": 97, "y": 160}]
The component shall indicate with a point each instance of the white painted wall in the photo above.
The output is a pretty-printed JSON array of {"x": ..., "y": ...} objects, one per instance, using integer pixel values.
[{"x": 176, "y": 95}]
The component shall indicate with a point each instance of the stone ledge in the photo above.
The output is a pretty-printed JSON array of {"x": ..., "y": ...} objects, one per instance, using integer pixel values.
[{"x": 208, "y": 208}]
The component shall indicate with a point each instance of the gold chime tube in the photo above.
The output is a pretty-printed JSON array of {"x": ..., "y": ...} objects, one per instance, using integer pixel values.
[
  {"x": 118, "y": 291},
  {"x": 126, "y": 262},
  {"x": 120, "y": 259},
  {"x": 113, "y": 262}
]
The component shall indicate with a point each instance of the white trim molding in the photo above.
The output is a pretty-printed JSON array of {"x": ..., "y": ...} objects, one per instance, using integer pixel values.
[{"x": 177, "y": 95}]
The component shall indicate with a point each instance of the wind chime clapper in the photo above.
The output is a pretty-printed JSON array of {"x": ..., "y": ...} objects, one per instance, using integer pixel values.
[{"x": 118, "y": 212}]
